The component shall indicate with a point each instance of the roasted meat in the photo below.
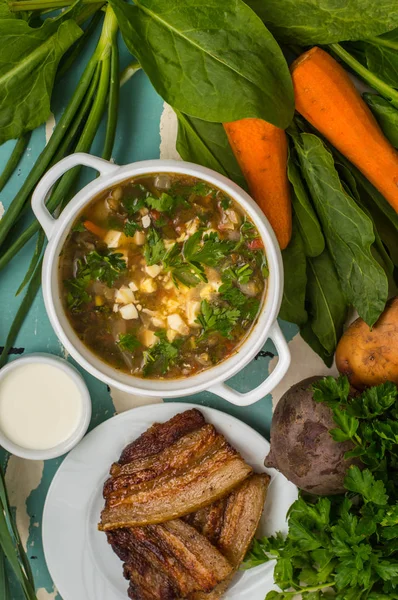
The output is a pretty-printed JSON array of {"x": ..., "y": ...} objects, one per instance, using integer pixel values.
[
  {"x": 168, "y": 561},
  {"x": 231, "y": 525},
  {"x": 173, "y": 469}
]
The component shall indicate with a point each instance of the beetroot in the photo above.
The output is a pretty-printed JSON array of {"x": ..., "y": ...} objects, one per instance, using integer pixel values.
[{"x": 301, "y": 446}]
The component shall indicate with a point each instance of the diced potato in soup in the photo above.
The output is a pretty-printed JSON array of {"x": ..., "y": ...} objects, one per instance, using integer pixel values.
[{"x": 170, "y": 284}]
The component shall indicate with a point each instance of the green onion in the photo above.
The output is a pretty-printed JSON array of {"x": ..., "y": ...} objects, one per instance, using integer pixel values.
[
  {"x": 14, "y": 159},
  {"x": 41, "y": 238}
]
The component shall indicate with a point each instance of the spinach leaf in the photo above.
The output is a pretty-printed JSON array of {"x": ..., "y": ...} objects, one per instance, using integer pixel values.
[
  {"x": 295, "y": 280},
  {"x": 307, "y": 221},
  {"x": 28, "y": 62},
  {"x": 189, "y": 52},
  {"x": 206, "y": 143},
  {"x": 327, "y": 305},
  {"x": 307, "y": 22},
  {"x": 382, "y": 57},
  {"x": 386, "y": 115},
  {"x": 348, "y": 231},
  {"x": 310, "y": 338}
]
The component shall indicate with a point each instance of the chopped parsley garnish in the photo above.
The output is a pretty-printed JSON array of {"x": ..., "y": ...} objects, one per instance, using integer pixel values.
[
  {"x": 94, "y": 266},
  {"x": 77, "y": 294},
  {"x": 131, "y": 228},
  {"x": 160, "y": 357},
  {"x": 230, "y": 293},
  {"x": 240, "y": 274},
  {"x": 225, "y": 203},
  {"x": 207, "y": 249},
  {"x": 133, "y": 205},
  {"x": 154, "y": 249},
  {"x": 128, "y": 342},
  {"x": 164, "y": 203},
  {"x": 215, "y": 319},
  {"x": 181, "y": 271},
  {"x": 203, "y": 189}
]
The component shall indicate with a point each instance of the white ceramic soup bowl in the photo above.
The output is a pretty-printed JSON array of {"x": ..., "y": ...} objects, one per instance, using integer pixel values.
[{"x": 212, "y": 379}]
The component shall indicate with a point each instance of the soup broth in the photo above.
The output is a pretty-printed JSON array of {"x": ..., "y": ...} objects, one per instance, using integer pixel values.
[{"x": 163, "y": 276}]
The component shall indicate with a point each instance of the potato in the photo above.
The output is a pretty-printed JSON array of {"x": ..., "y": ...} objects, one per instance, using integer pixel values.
[
  {"x": 369, "y": 356},
  {"x": 301, "y": 445}
]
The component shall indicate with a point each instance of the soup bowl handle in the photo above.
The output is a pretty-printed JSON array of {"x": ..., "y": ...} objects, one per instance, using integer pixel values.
[
  {"x": 43, "y": 188},
  {"x": 245, "y": 399}
]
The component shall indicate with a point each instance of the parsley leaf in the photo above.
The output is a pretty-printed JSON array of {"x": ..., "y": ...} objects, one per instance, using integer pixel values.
[
  {"x": 127, "y": 342},
  {"x": 207, "y": 249},
  {"x": 216, "y": 319},
  {"x": 154, "y": 249},
  {"x": 160, "y": 357},
  {"x": 164, "y": 203},
  {"x": 182, "y": 272},
  {"x": 105, "y": 267},
  {"x": 364, "y": 483},
  {"x": 131, "y": 228},
  {"x": 133, "y": 205}
]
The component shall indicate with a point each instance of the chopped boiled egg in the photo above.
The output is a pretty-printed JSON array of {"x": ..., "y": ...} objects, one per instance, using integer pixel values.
[
  {"x": 192, "y": 226},
  {"x": 133, "y": 287},
  {"x": 139, "y": 238},
  {"x": 153, "y": 270},
  {"x": 158, "y": 322},
  {"x": 148, "y": 338},
  {"x": 148, "y": 286},
  {"x": 192, "y": 311},
  {"x": 128, "y": 312},
  {"x": 206, "y": 292},
  {"x": 115, "y": 308},
  {"x": 146, "y": 221},
  {"x": 171, "y": 335},
  {"x": 124, "y": 295},
  {"x": 113, "y": 238},
  {"x": 176, "y": 323}
]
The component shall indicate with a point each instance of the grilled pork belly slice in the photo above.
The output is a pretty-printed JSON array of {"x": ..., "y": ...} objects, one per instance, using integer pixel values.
[
  {"x": 186, "y": 472},
  {"x": 168, "y": 561},
  {"x": 231, "y": 525}
]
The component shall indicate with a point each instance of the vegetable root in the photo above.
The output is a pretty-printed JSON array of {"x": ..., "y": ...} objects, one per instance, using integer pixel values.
[
  {"x": 261, "y": 151},
  {"x": 327, "y": 98},
  {"x": 370, "y": 356}
]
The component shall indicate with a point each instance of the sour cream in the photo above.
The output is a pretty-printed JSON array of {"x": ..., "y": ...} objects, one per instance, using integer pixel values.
[{"x": 43, "y": 404}]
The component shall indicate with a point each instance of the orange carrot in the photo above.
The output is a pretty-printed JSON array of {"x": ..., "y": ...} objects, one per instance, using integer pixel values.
[
  {"x": 327, "y": 98},
  {"x": 95, "y": 229},
  {"x": 261, "y": 151}
]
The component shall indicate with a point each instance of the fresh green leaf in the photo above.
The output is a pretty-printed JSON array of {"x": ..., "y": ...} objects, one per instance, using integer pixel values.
[
  {"x": 348, "y": 231},
  {"x": 331, "y": 391},
  {"x": 77, "y": 294},
  {"x": 308, "y": 22},
  {"x": 310, "y": 338},
  {"x": 164, "y": 203},
  {"x": 163, "y": 355},
  {"x": 347, "y": 424},
  {"x": 133, "y": 204},
  {"x": 295, "y": 280},
  {"x": 207, "y": 249},
  {"x": 214, "y": 319},
  {"x": 374, "y": 401},
  {"x": 28, "y": 63},
  {"x": 387, "y": 570},
  {"x": 206, "y": 143},
  {"x": 283, "y": 573},
  {"x": 307, "y": 221},
  {"x": 185, "y": 49},
  {"x": 382, "y": 57},
  {"x": 106, "y": 267},
  {"x": 386, "y": 115},
  {"x": 364, "y": 483},
  {"x": 131, "y": 228},
  {"x": 326, "y": 303},
  {"x": 262, "y": 550},
  {"x": 127, "y": 342},
  {"x": 154, "y": 249}
]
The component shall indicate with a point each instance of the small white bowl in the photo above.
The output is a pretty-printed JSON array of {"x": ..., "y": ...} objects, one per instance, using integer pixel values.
[{"x": 84, "y": 421}]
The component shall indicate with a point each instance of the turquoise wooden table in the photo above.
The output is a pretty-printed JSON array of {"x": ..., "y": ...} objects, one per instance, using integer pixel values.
[{"x": 138, "y": 138}]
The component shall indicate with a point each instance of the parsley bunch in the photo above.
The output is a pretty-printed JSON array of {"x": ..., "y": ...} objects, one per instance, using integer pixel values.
[{"x": 345, "y": 547}]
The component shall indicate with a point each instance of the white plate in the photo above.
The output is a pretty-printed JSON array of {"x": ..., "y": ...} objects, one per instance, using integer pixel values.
[{"x": 81, "y": 563}]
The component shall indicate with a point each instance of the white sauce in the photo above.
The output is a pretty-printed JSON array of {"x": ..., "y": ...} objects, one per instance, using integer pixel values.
[{"x": 40, "y": 406}]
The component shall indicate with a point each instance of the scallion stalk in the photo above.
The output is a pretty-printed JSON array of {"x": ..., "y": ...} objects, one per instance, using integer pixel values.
[{"x": 14, "y": 159}]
